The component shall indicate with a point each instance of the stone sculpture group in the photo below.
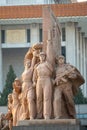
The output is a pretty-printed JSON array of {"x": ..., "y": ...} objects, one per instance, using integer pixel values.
[
  {"x": 47, "y": 86},
  {"x": 45, "y": 89}
]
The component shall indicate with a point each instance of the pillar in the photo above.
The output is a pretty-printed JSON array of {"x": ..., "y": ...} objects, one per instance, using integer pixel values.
[
  {"x": 34, "y": 33},
  {"x": 1, "y": 70},
  {"x": 70, "y": 43}
]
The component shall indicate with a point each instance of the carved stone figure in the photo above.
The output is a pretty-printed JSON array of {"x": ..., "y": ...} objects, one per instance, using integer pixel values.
[
  {"x": 9, "y": 116},
  {"x": 67, "y": 84},
  {"x": 34, "y": 52},
  {"x": 42, "y": 80},
  {"x": 28, "y": 93},
  {"x": 3, "y": 122},
  {"x": 16, "y": 105}
]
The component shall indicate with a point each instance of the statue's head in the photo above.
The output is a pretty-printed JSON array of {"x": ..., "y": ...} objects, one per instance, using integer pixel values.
[
  {"x": 42, "y": 56},
  {"x": 37, "y": 48},
  {"x": 17, "y": 85},
  {"x": 60, "y": 59}
]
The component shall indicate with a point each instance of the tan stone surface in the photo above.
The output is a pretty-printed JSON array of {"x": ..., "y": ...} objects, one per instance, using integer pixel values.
[
  {"x": 50, "y": 23},
  {"x": 42, "y": 79},
  {"x": 3, "y": 122},
  {"x": 16, "y": 103},
  {"x": 28, "y": 95},
  {"x": 50, "y": 121},
  {"x": 65, "y": 90}
]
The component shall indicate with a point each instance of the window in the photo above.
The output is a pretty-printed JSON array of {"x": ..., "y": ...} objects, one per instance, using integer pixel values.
[
  {"x": 28, "y": 35},
  {"x": 2, "y": 36},
  {"x": 63, "y": 51},
  {"x": 63, "y": 34},
  {"x": 40, "y": 35}
]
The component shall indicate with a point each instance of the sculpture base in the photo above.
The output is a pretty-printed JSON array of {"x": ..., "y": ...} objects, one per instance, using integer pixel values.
[{"x": 59, "y": 124}]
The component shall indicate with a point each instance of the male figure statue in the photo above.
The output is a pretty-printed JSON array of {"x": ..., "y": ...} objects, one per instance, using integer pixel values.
[
  {"x": 42, "y": 79},
  {"x": 68, "y": 79}
]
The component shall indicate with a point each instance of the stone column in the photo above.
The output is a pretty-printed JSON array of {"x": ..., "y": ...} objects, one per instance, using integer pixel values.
[
  {"x": 81, "y": 56},
  {"x": 77, "y": 47},
  {"x": 81, "y": 67},
  {"x": 1, "y": 70},
  {"x": 84, "y": 66},
  {"x": 83, "y": 52},
  {"x": 70, "y": 43},
  {"x": 34, "y": 33}
]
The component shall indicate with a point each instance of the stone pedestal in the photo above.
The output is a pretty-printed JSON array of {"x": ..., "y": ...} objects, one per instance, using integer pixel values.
[{"x": 60, "y": 124}]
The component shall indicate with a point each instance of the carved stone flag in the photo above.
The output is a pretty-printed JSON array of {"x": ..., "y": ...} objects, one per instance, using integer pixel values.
[{"x": 50, "y": 24}]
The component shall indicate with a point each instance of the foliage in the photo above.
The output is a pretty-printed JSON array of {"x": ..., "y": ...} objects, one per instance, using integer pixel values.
[
  {"x": 8, "y": 86},
  {"x": 79, "y": 98}
]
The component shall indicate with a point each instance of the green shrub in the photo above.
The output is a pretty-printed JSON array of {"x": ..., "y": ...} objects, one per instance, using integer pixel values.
[
  {"x": 79, "y": 98},
  {"x": 8, "y": 86}
]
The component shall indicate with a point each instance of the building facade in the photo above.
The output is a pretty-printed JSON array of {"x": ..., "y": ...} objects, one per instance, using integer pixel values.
[
  {"x": 21, "y": 27},
  {"x": 33, "y": 2}
]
